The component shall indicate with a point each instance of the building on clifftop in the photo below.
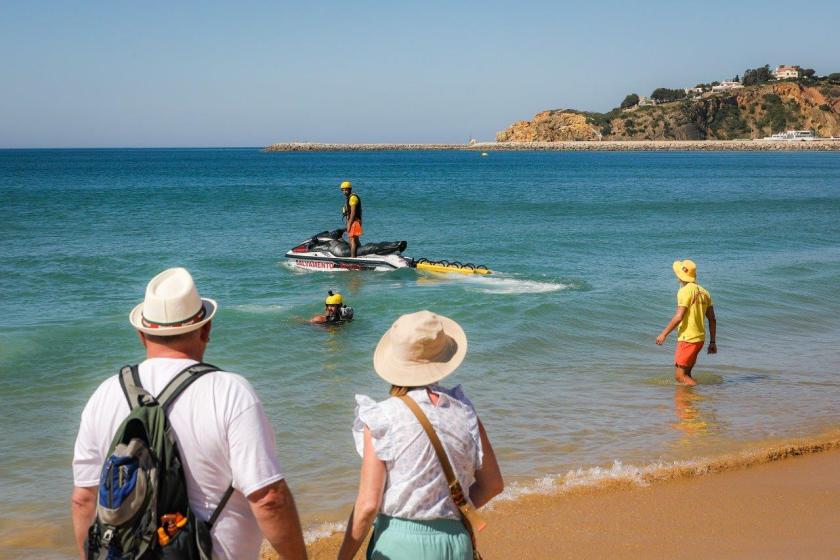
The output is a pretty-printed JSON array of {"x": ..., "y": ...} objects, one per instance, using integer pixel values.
[
  {"x": 727, "y": 86},
  {"x": 783, "y": 72}
]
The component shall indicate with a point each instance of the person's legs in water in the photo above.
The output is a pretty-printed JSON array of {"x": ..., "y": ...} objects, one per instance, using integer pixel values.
[{"x": 683, "y": 375}]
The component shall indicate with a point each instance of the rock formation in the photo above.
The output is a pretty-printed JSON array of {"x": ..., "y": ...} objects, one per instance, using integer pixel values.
[{"x": 751, "y": 112}]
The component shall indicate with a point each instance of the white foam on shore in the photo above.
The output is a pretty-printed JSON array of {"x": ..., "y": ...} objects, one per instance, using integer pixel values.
[
  {"x": 621, "y": 475},
  {"x": 312, "y": 534}
]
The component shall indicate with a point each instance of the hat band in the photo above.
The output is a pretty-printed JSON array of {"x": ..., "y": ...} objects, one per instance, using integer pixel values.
[{"x": 191, "y": 321}]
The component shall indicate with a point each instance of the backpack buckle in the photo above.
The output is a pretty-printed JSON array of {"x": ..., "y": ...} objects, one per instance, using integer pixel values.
[
  {"x": 147, "y": 400},
  {"x": 107, "y": 536}
]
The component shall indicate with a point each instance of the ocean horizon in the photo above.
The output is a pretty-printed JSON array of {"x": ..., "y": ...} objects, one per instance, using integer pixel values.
[{"x": 562, "y": 364}]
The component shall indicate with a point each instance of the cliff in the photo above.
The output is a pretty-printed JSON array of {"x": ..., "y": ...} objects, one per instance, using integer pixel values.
[{"x": 751, "y": 112}]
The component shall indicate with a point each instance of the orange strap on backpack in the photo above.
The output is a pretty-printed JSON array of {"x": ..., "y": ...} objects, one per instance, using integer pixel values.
[{"x": 471, "y": 518}]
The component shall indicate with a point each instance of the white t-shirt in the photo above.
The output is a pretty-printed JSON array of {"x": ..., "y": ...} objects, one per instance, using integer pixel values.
[
  {"x": 416, "y": 487},
  {"x": 223, "y": 436}
]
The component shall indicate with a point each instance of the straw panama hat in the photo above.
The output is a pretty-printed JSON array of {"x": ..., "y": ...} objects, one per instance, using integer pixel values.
[
  {"x": 419, "y": 349},
  {"x": 685, "y": 270},
  {"x": 172, "y": 305}
]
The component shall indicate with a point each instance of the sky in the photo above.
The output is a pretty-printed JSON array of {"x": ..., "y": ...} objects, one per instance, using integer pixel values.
[{"x": 171, "y": 74}]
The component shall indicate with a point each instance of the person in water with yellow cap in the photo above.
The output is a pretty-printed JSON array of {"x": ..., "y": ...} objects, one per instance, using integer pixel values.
[
  {"x": 335, "y": 312},
  {"x": 352, "y": 212},
  {"x": 694, "y": 304}
]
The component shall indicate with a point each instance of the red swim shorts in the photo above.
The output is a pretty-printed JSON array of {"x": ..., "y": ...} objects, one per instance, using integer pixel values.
[
  {"x": 355, "y": 229},
  {"x": 686, "y": 353}
]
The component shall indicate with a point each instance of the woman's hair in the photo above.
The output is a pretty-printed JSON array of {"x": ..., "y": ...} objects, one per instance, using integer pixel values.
[{"x": 399, "y": 391}]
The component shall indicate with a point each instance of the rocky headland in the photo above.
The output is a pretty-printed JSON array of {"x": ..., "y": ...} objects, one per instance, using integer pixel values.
[{"x": 751, "y": 112}]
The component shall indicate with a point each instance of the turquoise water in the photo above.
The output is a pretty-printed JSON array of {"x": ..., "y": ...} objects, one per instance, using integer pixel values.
[{"x": 562, "y": 363}]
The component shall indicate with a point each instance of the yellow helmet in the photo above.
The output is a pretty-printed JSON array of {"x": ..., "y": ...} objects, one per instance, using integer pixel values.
[
  {"x": 346, "y": 185},
  {"x": 333, "y": 299}
]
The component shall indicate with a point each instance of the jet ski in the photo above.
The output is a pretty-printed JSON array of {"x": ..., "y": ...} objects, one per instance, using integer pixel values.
[{"x": 329, "y": 251}]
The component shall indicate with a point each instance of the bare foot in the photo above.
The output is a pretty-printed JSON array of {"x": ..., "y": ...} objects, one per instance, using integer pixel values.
[{"x": 686, "y": 380}]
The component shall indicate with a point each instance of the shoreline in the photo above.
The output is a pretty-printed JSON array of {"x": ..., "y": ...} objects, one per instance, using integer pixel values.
[
  {"x": 824, "y": 145},
  {"x": 560, "y": 517}
]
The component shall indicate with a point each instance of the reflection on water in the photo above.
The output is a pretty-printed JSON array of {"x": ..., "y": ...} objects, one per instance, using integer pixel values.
[{"x": 693, "y": 419}]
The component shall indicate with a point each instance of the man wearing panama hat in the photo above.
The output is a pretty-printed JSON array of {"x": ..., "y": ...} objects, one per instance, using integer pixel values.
[
  {"x": 224, "y": 437},
  {"x": 694, "y": 304}
]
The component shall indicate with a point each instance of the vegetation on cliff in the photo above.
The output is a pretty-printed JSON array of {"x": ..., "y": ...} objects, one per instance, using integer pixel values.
[{"x": 761, "y": 108}]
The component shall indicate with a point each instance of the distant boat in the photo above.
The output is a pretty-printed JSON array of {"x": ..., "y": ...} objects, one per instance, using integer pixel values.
[
  {"x": 792, "y": 136},
  {"x": 483, "y": 154}
]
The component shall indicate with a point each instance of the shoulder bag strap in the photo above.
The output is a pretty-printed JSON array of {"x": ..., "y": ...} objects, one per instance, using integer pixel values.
[
  {"x": 472, "y": 519},
  {"x": 133, "y": 390}
]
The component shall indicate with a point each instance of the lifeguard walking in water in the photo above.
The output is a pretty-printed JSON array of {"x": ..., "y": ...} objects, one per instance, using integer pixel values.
[
  {"x": 694, "y": 304},
  {"x": 352, "y": 212}
]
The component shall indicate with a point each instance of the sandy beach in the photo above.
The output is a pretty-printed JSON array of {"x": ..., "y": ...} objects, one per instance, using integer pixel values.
[
  {"x": 824, "y": 145},
  {"x": 783, "y": 505}
]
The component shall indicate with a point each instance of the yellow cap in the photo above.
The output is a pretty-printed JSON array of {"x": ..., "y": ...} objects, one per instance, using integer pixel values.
[
  {"x": 334, "y": 299},
  {"x": 346, "y": 185}
]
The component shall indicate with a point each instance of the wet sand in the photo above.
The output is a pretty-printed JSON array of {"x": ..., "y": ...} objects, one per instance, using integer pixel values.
[{"x": 782, "y": 509}]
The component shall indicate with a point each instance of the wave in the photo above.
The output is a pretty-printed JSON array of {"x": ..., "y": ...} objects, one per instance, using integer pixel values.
[
  {"x": 502, "y": 285},
  {"x": 620, "y": 475},
  {"x": 258, "y": 308},
  {"x": 314, "y": 533}
]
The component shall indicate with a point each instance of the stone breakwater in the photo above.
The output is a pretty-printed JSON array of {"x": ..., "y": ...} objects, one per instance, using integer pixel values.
[{"x": 575, "y": 146}]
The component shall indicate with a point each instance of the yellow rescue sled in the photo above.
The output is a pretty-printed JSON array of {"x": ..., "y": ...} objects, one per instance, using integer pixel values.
[{"x": 454, "y": 266}]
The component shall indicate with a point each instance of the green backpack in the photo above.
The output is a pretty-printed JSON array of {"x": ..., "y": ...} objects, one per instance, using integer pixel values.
[{"x": 143, "y": 480}]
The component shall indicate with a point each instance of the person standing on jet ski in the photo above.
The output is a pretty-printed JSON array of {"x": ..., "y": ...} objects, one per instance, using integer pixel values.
[
  {"x": 352, "y": 212},
  {"x": 335, "y": 312}
]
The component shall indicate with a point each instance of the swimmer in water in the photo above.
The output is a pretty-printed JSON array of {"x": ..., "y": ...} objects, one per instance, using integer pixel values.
[{"x": 335, "y": 312}]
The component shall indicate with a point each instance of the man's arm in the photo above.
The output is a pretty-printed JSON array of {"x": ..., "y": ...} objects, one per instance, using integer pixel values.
[
  {"x": 274, "y": 508},
  {"x": 710, "y": 316},
  {"x": 675, "y": 320},
  {"x": 83, "y": 510}
]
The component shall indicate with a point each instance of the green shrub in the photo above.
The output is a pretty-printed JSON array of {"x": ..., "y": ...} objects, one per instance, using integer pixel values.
[{"x": 825, "y": 107}]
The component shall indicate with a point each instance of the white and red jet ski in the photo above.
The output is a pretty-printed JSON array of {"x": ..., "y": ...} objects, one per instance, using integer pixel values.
[{"x": 329, "y": 251}]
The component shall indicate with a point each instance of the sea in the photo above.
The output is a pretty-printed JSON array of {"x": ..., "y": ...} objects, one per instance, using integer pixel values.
[{"x": 562, "y": 363}]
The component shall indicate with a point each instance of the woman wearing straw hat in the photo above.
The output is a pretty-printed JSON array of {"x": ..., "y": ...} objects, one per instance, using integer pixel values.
[{"x": 406, "y": 475}]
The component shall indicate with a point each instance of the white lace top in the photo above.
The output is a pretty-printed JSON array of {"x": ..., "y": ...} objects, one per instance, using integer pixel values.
[{"x": 416, "y": 487}]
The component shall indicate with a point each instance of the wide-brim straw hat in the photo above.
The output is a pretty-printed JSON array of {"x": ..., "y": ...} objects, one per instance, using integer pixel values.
[
  {"x": 172, "y": 305},
  {"x": 419, "y": 349},
  {"x": 685, "y": 270}
]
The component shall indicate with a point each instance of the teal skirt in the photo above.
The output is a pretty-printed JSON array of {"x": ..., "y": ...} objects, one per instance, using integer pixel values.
[{"x": 405, "y": 539}]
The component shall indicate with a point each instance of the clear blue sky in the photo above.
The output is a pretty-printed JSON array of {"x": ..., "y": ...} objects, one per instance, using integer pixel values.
[{"x": 252, "y": 73}]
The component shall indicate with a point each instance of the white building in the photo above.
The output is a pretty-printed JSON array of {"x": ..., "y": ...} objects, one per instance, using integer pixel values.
[
  {"x": 783, "y": 72},
  {"x": 693, "y": 90},
  {"x": 646, "y": 101},
  {"x": 727, "y": 86}
]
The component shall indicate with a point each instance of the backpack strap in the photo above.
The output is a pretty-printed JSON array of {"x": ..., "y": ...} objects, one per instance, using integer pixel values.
[
  {"x": 472, "y": 519},
  {"x": 216, "y": 512},
  {"x": 133, "y": 390},
  {"x": 181, "y": 381}
]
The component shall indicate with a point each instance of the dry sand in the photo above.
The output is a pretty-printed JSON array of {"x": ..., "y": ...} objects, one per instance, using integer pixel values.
[{"x": 781, "y": 509}]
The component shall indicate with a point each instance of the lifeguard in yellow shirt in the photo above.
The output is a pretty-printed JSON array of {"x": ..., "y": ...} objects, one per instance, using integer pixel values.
[
  {"x": 694, "y": 305},
  {"x": 352, "y": 212}
]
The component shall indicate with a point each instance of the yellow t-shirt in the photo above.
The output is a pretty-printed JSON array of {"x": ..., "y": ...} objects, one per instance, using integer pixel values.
[{"x": 696, "y": 301}]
